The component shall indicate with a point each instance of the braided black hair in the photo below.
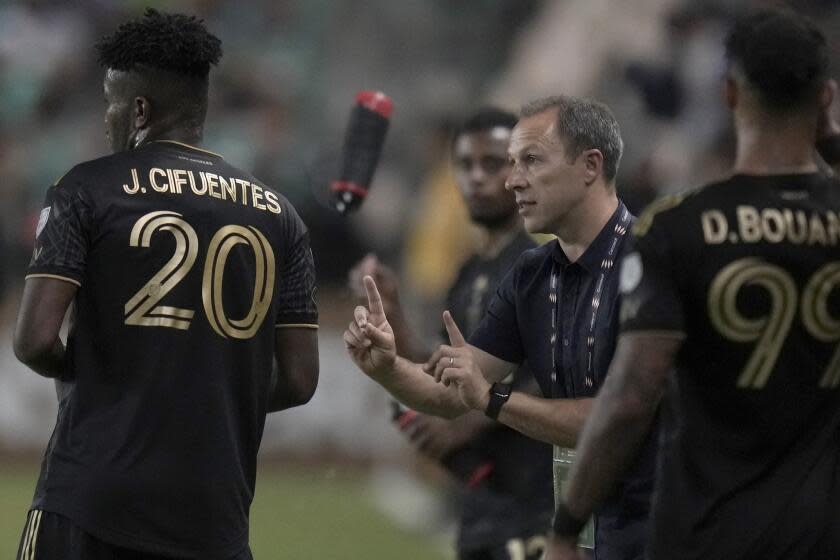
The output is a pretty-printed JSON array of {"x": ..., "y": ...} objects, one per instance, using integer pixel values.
[{"x": 173, "y": 42}]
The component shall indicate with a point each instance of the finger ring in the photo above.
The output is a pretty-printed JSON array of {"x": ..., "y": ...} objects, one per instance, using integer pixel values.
[{"x": 451, "y": 360}]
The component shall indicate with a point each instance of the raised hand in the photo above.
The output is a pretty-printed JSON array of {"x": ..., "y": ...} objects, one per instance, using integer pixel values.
[
  {"x": 455, "y": 364},
  {"x": 386, "y": 282},
  {"x": 369, "y": 338}
]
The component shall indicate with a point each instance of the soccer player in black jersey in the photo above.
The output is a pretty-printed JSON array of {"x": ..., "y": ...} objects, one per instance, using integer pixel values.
[
  {"x": 508, "y": 499},
  {"x": 732, "y": 311},
  {"x": 192, "y": 285}
]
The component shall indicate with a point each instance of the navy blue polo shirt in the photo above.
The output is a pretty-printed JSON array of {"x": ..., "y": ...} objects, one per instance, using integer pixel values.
[{"x": 518, "y": 327}]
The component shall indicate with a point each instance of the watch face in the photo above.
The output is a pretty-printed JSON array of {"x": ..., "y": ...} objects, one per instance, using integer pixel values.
[{"x": 501, "y": 389}]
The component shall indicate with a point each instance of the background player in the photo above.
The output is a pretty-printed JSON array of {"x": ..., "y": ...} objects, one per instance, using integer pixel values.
[
  {"x": 194, "y": 316},
  {"x": 557, "y": 308},
  {"x": 508, "y": 500},
  {"x": 736, "y": 288}
]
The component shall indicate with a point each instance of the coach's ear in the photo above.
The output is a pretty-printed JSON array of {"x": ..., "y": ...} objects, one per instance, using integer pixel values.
[{"x": 593, "y": 165}]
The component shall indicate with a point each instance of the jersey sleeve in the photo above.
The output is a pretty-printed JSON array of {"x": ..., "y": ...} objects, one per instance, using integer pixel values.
[
  {"x": 648, "y": 283},
  {"x": 498, "y": 332},
  {"x": 62, "y": 238},
  {"x": 296, "y": 280}
]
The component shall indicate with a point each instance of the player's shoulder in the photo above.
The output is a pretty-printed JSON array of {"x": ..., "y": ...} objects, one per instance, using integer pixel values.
[
  {"x": 674, "y": 209},
  {"x": 287, "y": 208},
  {"x": 90, "y": 172}
]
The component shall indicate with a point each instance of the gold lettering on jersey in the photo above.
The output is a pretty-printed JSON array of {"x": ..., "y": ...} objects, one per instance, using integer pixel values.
[
  {"x": 229, "y": 189},
  {"x": 816, "y": 232},
  {"x": 213, "y": 183},
  {"x": 833, "y": 228},
  {"x": 771, "y": 225},
  {"x": 203, "y": 190},
  {"x": 243, "y": 188},
  {"x": 272, "y": 202},
  {"x": 797, "y": 225},
  {"x": 715, "y": 226},
  {"x": 256, "y": 196},
  {"x": 749, "y": 224},
  {"x": 135, "y": 183},
  {"x": 157, "y": 187}
]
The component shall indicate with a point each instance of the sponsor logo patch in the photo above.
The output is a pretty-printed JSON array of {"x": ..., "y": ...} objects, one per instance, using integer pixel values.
[
  {"x": 631, "y": 273},
  {"x": 42, "y": 221}
]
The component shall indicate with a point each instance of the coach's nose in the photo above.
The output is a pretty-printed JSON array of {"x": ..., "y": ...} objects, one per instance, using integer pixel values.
[{"x": 516, "y": 178}]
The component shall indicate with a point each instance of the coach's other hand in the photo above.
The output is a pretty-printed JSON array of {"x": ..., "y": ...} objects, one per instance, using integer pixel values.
[
  {"x": 454, "y": 364},
  {"x": 369, "y": 338}
]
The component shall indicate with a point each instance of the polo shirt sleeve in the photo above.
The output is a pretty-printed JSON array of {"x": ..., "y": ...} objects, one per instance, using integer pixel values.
[
  {"x": 648, "y": 283},
  {"x": 498, "y": 332}
]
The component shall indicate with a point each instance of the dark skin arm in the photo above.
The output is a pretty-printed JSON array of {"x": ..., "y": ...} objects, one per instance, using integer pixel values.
[
  {"x": 42, "y": 309},
  {"x": 828, "y": 123},
  {"x": 295, "y": 376},
  {"x": 615, "y": 430}
]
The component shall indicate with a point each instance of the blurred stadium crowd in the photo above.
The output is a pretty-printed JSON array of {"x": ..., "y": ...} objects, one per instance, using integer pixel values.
[{"x": 279, "y": 103}]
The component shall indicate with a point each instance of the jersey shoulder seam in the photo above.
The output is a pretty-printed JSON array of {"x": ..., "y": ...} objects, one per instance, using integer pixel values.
[{"x": 665, "y": 204}]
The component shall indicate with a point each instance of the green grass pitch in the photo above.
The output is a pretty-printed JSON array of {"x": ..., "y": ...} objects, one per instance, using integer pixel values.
[{"x": 299, "y": 514}]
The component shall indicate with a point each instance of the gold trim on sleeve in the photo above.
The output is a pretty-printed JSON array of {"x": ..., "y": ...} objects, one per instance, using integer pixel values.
[
  {"x": 296, "y": 326},
  {"x": 55, "y": 277},
  {"x": 57, "y": 181}
]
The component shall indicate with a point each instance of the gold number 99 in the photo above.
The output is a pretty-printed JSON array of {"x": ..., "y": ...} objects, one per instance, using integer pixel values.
[{"x": 770, "y": 331}]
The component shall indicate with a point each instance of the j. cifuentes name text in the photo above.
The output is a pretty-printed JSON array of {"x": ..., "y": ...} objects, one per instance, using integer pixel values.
[{"x": 203, "y": 183}]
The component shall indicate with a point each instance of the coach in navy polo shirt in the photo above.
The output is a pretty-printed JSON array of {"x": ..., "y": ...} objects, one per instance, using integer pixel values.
[{"x": 556, "y": 309}]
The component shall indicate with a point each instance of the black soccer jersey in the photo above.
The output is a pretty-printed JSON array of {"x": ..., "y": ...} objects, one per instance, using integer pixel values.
[
  {"x": 515, "y": 499},
  {"x": 185, "y": 267},
  {"x": 748, "y": 272}
]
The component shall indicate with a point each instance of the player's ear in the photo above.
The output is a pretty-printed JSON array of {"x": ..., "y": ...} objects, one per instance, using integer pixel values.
[
  {"x": 142, "y": 112},
  {"x": 730, "y": 92},
  {"x": 827, "y": 93},
  {"x": 593, "y": 165}
]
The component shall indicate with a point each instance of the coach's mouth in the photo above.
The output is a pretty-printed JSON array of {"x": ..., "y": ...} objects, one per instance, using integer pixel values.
[{"x": 524, "y": 205}]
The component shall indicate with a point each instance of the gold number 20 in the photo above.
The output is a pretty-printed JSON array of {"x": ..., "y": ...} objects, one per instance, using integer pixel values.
[
  {"x": 769, "y": 332},
  {"x": 142, "y": 308}
]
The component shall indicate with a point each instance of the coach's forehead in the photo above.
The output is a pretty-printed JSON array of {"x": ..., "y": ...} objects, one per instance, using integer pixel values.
[{"x": 535, "y": 130}]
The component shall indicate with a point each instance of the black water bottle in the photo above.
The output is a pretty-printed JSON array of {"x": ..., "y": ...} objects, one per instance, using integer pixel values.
[{"x": 467, "y": 464}]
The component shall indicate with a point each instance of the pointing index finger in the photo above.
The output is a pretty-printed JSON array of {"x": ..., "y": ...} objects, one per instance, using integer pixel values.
[
  {"x": 374, "y": 299},
  {"x": 455, "y": 337}
]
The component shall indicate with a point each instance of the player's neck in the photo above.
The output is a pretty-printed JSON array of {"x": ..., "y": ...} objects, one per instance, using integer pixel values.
[
  {"x": 494, "y": 240},
  {"x": 775, "y": 148},
  {"x": 583, "y": 224},
  {"x": 184, "y": 134}
]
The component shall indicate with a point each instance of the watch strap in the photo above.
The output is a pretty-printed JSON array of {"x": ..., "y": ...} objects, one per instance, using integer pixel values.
[{"x": 499, "y": 395}]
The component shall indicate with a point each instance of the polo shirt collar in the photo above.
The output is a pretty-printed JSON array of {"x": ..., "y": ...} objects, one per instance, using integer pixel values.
[{"x": 597, "y": 251}]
